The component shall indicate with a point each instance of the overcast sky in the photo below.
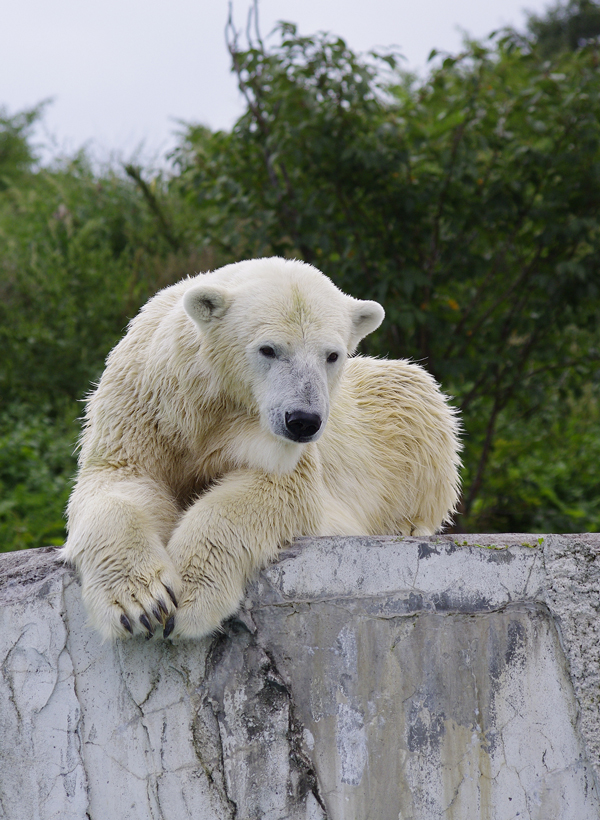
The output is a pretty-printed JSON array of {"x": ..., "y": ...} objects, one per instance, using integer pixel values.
[{"x": 121, "y": 72}]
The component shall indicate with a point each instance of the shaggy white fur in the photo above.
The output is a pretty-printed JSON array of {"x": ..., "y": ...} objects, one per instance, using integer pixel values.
[{"x": 228, "y": 421}]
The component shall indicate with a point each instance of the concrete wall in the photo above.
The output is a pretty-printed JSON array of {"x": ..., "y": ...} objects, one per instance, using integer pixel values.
[{"x": 380, "y": 678}]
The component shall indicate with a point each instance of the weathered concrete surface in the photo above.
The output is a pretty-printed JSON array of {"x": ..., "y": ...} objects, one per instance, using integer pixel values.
[
  {"x": 573, "y": 594},
  {"x": 380, "y": 678}
]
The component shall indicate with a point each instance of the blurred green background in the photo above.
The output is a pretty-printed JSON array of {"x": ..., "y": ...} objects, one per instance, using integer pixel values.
[{"x": 466, "y": 202}]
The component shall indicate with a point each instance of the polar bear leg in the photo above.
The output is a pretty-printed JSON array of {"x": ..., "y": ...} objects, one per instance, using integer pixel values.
[
  {"x": 118, "y": 526},
  {"x": 231, "y": 531}
]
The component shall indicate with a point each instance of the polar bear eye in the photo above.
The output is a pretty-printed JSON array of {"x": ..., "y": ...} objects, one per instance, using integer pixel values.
[
  {"x": 267, "y": 351},
  {"x": 333, "y": 357}
]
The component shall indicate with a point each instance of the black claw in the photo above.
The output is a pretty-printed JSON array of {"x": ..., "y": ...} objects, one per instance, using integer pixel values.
[
  {"x": 156, "y": 611},
  {"x": 146, "y": 623},
  {"x": 171, "y": 594},
  {"x": 169, "y": 626},
  {"x": 126, "y": 623},
  {"x": 162, "y": 607}
]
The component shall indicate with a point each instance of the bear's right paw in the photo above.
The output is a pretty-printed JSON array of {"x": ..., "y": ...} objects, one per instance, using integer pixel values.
[{"x": 122, "y": 603}]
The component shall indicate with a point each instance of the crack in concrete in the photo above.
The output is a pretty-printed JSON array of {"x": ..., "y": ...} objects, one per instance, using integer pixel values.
[
  {"x": 80, "y": 725},
  {"x": 7, "y": 676},
  {"x": 264, "y": 697}
]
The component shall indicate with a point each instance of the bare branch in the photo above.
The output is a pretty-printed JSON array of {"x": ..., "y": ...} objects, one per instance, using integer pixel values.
[{"x": 154, "y": 205}]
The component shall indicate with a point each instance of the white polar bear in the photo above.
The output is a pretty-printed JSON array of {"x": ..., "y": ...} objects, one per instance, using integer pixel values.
[{"x": 230, "y": 420}]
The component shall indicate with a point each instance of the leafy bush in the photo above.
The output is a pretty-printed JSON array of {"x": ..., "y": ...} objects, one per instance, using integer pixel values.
[
  {"x": 467, "y": 203},
  {"x": 36, "y": 470}
]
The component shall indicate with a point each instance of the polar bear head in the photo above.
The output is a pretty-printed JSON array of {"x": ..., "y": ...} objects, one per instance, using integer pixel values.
[{"x": 279, "y": 332}]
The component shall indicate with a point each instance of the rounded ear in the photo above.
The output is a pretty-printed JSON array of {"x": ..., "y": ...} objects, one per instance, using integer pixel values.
[
  {"x": 206, "y": 303},
  {"x": 366, "y": 317}
]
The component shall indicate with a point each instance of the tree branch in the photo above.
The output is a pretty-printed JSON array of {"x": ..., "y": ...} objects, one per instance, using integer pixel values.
[{"x": 154, "y": 205}]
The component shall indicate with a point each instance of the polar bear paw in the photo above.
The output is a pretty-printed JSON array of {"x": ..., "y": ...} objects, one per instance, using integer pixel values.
[
  {"x": 138, "y": 600},
  {"x": 207, "y": 599},
  {"x": 199, "y": 615}
]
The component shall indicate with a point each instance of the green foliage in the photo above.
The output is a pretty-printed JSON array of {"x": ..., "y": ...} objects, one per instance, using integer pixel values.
[
  {"x": 16, "y": 154},
  {"x": 565, "y": 26},
  {"x": 36, "y": 468},
  {"x": 80, "y": 252},
  {"x": 544, "y": 476},
  {"x": 468, "y": 204}
]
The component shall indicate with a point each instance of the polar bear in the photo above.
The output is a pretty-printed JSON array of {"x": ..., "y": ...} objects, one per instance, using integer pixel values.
[{"x": 231, "y": 419}]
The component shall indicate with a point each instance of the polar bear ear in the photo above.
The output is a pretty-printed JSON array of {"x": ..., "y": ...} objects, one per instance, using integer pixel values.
[
  {"x": 206, "y": 303},
  {"x": 366, "y": 317}
]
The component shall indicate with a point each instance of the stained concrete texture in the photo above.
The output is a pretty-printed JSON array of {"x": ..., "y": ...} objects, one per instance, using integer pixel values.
[{"x": 379, "y": 678}]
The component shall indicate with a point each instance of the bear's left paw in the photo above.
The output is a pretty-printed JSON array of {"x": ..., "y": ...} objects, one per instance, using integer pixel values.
[{"x": 205, "y": 602}]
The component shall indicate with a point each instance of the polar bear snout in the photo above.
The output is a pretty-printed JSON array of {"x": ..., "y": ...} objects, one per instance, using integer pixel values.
[
  {"x": 302, "y": 426},
  {"x": 292, "y": 394}
]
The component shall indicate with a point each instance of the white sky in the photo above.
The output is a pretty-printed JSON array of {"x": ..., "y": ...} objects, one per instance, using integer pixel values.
[{"x": 121, "y": 72}]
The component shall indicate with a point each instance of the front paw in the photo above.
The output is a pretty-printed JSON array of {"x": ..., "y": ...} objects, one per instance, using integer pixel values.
[
  {"x": 132, "y": 595},
  {"x": 209, "y": 596}
]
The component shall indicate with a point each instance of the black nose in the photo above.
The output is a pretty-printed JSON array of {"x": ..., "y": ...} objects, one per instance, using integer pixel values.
[{"x": 302, "y": 426}]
